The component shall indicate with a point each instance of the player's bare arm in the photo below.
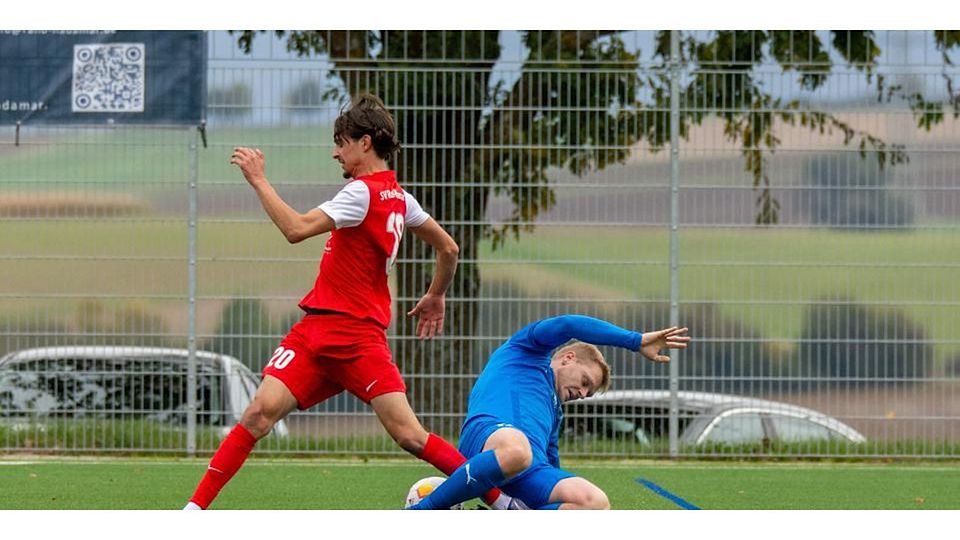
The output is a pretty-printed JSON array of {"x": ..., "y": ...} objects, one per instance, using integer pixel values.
[
  {"x": 670, "y": 338},
  {"x": 430, "y": 309},
  {"x": 295, "y": 226}
]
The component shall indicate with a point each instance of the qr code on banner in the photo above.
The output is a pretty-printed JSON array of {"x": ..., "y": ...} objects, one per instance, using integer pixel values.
[{"x": 108, "y": 77}]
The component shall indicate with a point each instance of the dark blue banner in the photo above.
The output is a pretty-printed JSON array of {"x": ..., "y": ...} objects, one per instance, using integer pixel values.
[{"x": 102, "y": 77}]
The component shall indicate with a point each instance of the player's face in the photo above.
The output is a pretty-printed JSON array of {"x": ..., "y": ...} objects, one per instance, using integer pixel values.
[
  {"x": 350, "y": 153},
  {"x": 575, "y": 379}
]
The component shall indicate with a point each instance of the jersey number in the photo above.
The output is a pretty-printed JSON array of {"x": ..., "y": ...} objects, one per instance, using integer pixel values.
[
  {"x": 395, "y": 227},
  {"x": 281, "y": 358}
]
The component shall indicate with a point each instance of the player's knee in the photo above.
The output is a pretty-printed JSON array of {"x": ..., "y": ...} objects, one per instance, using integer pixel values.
[
  {"x": 595, "y": 499},
  {"x": 514, "y": 459},
  {"x": 600, "y": 501},
  {"x": 259, "y": 418}
]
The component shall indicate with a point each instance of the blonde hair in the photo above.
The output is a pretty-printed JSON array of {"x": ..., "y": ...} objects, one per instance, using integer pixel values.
[{"x": 587, "y": 352}]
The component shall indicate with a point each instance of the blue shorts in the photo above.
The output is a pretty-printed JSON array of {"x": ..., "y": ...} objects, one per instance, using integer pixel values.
[{"x": 534, "y": 485}]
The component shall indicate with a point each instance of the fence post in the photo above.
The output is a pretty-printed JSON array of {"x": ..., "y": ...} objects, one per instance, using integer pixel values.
[
  {"x": 192, "y": 298},
  {"x": 673, "y": 424}
]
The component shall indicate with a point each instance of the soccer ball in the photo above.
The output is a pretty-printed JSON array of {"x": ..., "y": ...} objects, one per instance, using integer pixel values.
[{"x": 424, "y": 487}]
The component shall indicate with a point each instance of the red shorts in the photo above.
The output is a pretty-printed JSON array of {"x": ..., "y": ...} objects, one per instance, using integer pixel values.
[{"x": 326, "y": 354}]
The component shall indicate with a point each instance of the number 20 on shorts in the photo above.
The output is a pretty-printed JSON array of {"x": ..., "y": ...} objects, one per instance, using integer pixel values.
[{"x": 281, "y": 358}]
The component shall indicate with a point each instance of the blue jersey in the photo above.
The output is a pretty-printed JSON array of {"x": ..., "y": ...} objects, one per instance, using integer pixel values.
[{"x": 517, "y": 385}]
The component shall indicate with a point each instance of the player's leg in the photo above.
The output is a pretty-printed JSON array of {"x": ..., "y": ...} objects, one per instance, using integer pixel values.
[
  {"x": 506, "y": 453},
  {"x": 576, "y": 493},
  {"x": 545, "y": 487},
  {"x": 512, "y": 449},
  {"x": 272, "y": 402},
  {"x": 293, "y": 378},
  {"x": 374, "y": 378},
  {"x": 397, "y": 417},
  {"x": 394, "y": 411}
]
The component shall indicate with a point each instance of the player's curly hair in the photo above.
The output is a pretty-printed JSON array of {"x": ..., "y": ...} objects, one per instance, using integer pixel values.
[{"x": 367, "y": 115}]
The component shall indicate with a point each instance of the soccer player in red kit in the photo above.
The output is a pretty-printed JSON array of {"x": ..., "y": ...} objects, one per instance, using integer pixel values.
[{"x": 341, "y": 344}]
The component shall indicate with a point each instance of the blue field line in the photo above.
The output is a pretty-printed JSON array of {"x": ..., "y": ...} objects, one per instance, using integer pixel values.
[{"x": 667, "y": 495}]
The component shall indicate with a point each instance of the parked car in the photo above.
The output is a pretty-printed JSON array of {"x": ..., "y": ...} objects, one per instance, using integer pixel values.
[
  {"x": 703, "y": 418},
  {"x": 124, "y": 383}
]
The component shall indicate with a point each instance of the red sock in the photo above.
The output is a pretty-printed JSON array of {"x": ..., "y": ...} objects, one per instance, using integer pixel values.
[
  {"x": 225, "y": 463},
  {"x": 442, "y": 455}
]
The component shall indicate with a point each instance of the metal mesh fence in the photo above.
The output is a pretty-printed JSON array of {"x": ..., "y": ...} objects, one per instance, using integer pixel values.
[{"x": 838, "y": 314}]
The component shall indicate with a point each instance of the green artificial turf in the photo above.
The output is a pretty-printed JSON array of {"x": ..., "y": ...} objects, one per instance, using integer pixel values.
[{"x": 149, "y": 484}]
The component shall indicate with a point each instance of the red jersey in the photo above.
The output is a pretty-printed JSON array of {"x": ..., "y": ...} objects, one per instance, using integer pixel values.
[{"x": 370, "y": 214}]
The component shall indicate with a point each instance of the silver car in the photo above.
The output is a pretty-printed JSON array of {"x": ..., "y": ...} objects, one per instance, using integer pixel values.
[
  {"x": 703, "y": 418},
  {"x": 124, "y": 383}
]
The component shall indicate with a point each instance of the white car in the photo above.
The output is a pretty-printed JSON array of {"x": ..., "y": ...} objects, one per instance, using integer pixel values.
[
  {"x": 124, "y": 383},
  {"x": 704, "y": 418}
]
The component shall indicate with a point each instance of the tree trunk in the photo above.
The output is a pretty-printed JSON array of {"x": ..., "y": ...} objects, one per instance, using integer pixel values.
[
  {"x": 439, "y": 373},
  {"x": 438, "y": 114}
]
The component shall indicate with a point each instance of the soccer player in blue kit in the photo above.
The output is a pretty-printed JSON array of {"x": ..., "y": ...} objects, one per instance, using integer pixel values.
[{"x": 515, "y": 412}]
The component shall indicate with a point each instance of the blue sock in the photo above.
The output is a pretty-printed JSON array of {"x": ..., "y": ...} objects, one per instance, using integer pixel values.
[
  {"x": 551, "y": 506},
  {"x": 472, "y": 479}
]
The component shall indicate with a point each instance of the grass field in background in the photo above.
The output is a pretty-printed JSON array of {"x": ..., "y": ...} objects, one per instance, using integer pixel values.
[
  {"x": 98, "y": 160},
  {"x": 763, "y": 278},
  {"x": 760, "y": 277},
  {"x": 300, "y": 484}
]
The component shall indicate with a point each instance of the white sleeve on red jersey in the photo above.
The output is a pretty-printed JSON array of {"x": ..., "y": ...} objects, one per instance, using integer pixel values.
[
  {"x": 349, "y": 206},
  {"x": 416, "y": 215}
]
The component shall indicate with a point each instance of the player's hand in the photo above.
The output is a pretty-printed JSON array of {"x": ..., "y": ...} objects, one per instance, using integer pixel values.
[
  {"x": 653, "y": 342},
  {"x": 252, "y": 164},
  {"x": 430, "y": 309}
]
